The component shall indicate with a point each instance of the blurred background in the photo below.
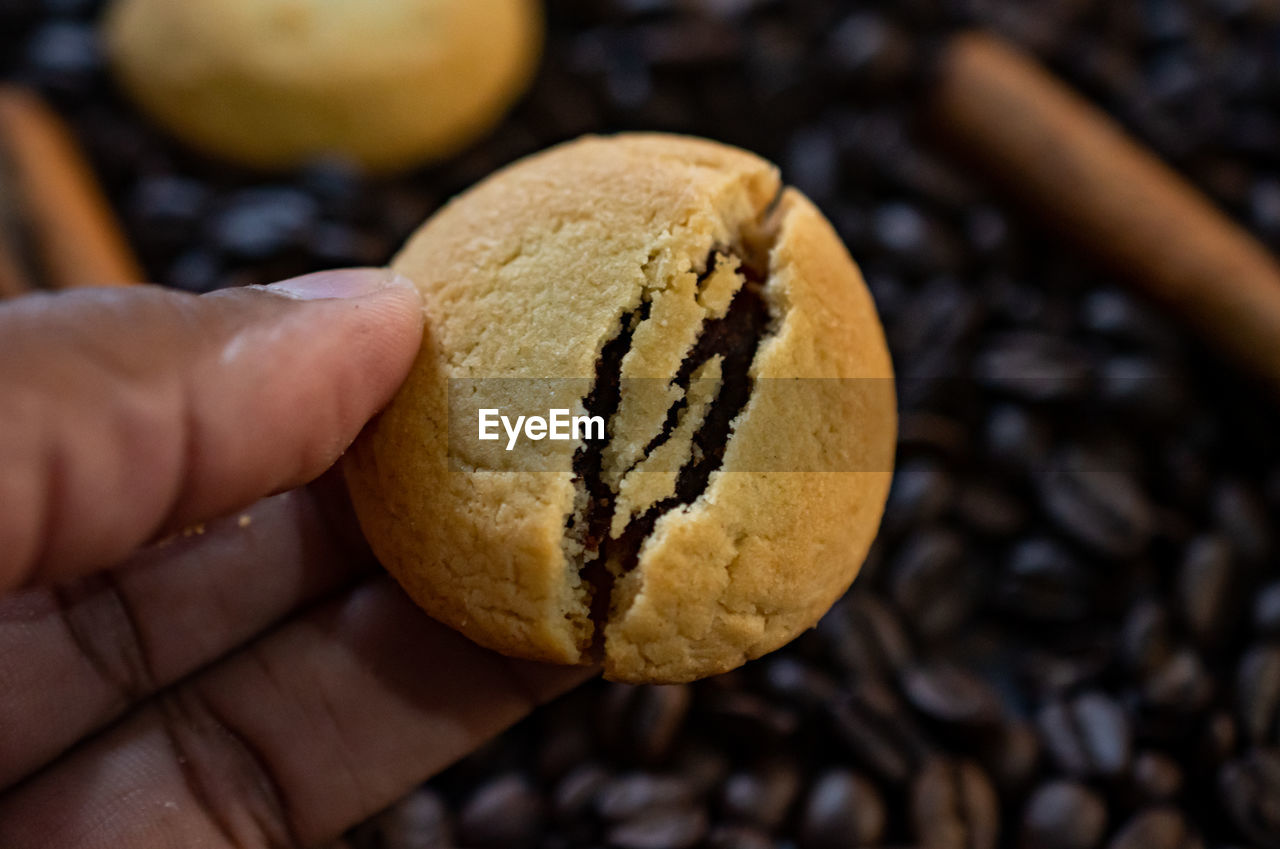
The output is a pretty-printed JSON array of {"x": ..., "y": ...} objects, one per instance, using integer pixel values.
[{"x": 1032, "y": 657}]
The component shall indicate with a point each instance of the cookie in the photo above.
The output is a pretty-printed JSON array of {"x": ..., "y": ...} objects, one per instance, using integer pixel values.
[
  {"x": 672, "y": 290},
  {"x": 275, "y": 83}
]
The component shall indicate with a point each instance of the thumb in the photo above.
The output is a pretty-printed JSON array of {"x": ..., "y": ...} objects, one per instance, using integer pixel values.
[{"x": 126, "y": 412}]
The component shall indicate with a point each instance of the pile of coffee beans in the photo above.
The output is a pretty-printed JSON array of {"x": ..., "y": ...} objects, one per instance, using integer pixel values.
[{"x": 1068, "y": 633}]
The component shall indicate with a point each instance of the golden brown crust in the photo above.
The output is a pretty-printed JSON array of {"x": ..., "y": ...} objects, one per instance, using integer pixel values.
[
  {"x": 529, "y": 275},
  {"x": 273, "y": 83}
]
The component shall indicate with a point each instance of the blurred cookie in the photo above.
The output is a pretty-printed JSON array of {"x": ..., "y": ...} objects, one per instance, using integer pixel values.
[
  {"x": 274, "y": 83},
  {"x": 713, "y": 320}
]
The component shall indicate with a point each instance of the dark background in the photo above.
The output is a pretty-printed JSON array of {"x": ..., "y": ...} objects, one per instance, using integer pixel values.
[{"x": 1068, "y": 634}]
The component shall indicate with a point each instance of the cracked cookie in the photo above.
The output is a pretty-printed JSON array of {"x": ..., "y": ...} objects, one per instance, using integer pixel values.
[
  {"x": 671, "y": 288},
  {"x": 276, "y": 83}
]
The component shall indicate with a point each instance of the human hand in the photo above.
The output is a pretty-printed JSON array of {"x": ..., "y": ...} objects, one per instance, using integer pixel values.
[{"x": 251, "y": 681}]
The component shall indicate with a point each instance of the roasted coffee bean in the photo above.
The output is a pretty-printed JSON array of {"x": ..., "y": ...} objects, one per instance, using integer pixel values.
[
  {"x": 1146, "y": 638},
  {"x": 1156, "y": 776},
  {"x": 990, "y": 510},
  {"x": 702, "y": 766},
  {"x": 1258, "y": 694},
  {"x": 1034, "y": 367},
  {"x": 951, "y": 695},
  {"x": 1182, "y": 684},
  {"x": 933, "y": 583},
  {"x": 1147, "y": 389},
  {"x": 1063, "y": 815},
  {"x": 1087, "y": 735},
  {"x": 670, "y": 828},
  {"x": 642, "y": 722},
  {"x": 1250, "y": 790},
  {"x": 503, "y": 812},
  {"x": 954, "y": 806},
  {"x": 798, "y": 682},
  {"x": 256, "y": 223},
  {"x": 1156, "y": 828},
  {"x": 922, "y": 492},
  {"x": 420, "y": 820},
  {"x": 1266, "y": 611},
  {"x": 1043, "y": 580},
  {"x": 739, "y": 715},
  {"x": 842, "y": 808},
  {"x": 875, "y": 728},
  {"x": 738, "y": 837},
  {"x": 1206, "y": 585},
  {"x": 762, "y": 796},
  {"x": 627, "y": 796},
  {"x": 575, "y": 794},
  {"x": 1096, "y": 504},
  {"x": 1239, "y": 512},
  {"x": 1016, "y": 440},
  {"x": 1013, "y": 757},
  {"x": 865, "y": 636},
  {"x": 870, "y": 50}
]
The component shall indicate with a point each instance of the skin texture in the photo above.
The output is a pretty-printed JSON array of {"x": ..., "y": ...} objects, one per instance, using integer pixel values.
[
  {"x": 249, "y": 681},
  {"x": 274, "y": 83},
  {"x": 530, "y": 274}
]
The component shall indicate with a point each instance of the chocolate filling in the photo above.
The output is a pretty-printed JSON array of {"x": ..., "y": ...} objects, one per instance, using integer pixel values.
[{"x": 734, "y": 337}]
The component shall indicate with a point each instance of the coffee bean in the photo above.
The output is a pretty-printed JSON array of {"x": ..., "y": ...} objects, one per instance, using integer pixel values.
[
  {"x": 672, "y": 828},
  {"x": 1239, "y": 512},
  {"x": 1088, "y": 735},
  {"x": 799, "y": 683},
  {"x": 874, "y": 727},
  {"x": 702, "y": 766},
  {"x": 866, "y": 637},
  {"x": 932, "y": 583},
  {"x": 503, "y": 812},
  {"x": 1206, "y": 585},
  {"x": 1096, "y": 504},
  {"x": 1181, "y": 684},
  {"x": 1156, "y": 776},
  {"x": 870, "y": 50},
  {"x": 1012, "y": 759},
  {"x": 1146, "y": 640},
  {"x": 642, "y": 722},
  {"x": 1017, "y": 441},
  {"x": 1034, "y": 367},
  {"x": 628, "y": 796},
  {"x": 1042, "y": 580},
  {"x": 762, "y": 796},
  {"x": 1156, "y": 828},
  {"x": 575, "y": 794},
  {"x": 738, "y": 837},
  {"x": 1250, "y": 792},
  {"x": 418, "y": 821},
  {"x": 746, "y": 717},
  {"x": 954, "y": 806},
  {"x": 1266, "y": 611},
  {"x": 257, "y": 223},
  {"x": 843, "y": 808},
  {"x": 951, "y": 695},
  {"x": 922, "y": 492},
  {"x": 1063, "y": 815},
  {"x": 990, "y": 511},
  {"x": 1258, "y": 694}
]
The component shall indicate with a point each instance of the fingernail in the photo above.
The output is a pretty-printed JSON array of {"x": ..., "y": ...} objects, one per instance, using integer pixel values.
[{"x": 341, "y": 284}]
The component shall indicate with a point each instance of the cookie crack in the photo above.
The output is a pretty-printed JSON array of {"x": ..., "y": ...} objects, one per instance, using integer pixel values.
[
  {"x": 734, "y": 336},
  {"x": 588, "y": 523}
]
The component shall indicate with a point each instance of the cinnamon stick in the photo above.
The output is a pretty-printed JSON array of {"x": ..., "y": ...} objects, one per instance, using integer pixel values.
[
  {"x": 56, "y": 228},
  {"x": 1069, "y": 162}
]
